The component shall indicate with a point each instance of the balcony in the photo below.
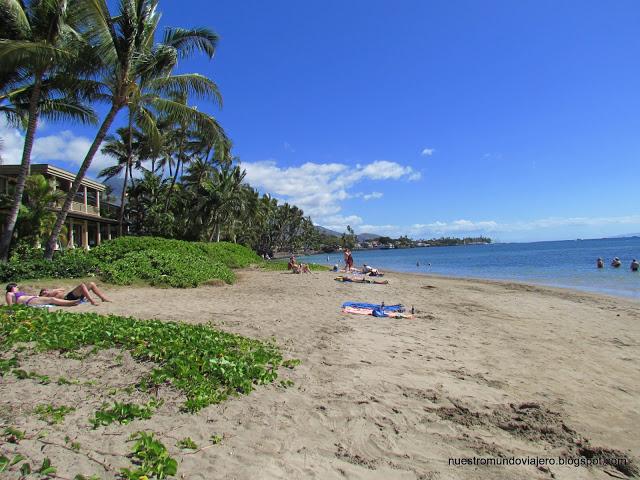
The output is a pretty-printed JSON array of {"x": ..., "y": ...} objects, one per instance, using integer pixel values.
[{"x": 79, "y": 207}]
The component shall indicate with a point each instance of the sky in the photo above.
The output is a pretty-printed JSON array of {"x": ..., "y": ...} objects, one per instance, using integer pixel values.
[{"x": 516, "y": 120}]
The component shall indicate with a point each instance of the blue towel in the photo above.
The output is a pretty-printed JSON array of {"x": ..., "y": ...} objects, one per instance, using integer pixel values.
[{"x": 373, "y": 306}]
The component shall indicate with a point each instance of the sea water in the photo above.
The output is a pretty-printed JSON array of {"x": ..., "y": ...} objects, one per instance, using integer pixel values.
[{"x": 569, "y": 264}]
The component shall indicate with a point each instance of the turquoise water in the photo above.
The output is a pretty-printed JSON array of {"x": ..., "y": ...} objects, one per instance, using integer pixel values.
[{"x": 569, "y": 264}]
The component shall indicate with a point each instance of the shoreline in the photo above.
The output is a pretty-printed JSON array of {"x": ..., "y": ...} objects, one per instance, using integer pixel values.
[
  {"x": 569, "y": 288},
  {"x": 524, "y": 283},
  {"x": 374, "y": 397}
]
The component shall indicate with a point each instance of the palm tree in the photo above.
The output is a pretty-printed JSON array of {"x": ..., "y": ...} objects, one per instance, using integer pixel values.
[
  {"x": 145, "y": 206},
  {"x": 125, "y": 43},
  {"x": 226, "y": 184},
  {"x": 128, "y": 156},
  {"x": 36, "y": 38}
]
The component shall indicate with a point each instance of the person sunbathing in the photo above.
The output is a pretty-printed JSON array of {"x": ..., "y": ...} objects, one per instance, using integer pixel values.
[
  {"x": 18, "y": 297},
  {"x": 296, "y": 267},
  {"x": 369, "y": 270},
  {"x": 80, "y": 293}
]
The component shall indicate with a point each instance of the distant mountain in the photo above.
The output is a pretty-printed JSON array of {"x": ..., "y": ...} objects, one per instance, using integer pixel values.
[
  {"x": 363, "y": 237},
  {"x": 626, "y": 235},
  {"x": 326, "y": 231}
]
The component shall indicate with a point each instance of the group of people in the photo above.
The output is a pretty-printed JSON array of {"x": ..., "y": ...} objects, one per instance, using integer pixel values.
[
  {"x": 616, "y": 263},
  {"x": 54, "y": 296}
]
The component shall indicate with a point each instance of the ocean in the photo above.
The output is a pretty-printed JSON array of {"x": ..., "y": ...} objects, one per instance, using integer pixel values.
[{"x": 568, "y": 264}]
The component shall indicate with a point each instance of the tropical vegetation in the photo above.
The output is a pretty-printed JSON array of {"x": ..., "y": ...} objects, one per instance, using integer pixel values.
[
  {"x": 127, "y": 260},
  {"x": 205, "y": 364},
  {"x": 172, "y": 162}
]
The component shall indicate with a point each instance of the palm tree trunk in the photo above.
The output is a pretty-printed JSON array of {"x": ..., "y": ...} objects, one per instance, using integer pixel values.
[
  {"x": 126, "y": 174},
  {"x": 122, "y": 197},
  {"x": 62, "y": 216},
  {"x": 173, "y": 183},
  {"x": 25, "y": 170}
]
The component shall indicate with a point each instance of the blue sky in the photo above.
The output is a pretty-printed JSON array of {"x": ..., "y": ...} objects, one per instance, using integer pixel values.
[{"x": 518, "y": 120}]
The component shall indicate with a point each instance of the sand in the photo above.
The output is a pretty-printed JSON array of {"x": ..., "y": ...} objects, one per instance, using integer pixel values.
[{"x": 485, "y": 369}]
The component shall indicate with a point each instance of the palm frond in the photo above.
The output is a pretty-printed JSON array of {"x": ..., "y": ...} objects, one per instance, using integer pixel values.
[
  {"x": 14, "y": 117},
  {"x": 93, "y": 18},
  {"x": 187, "y": 85},
  {"x": 68, "y": 109},
  {"x": 111, "y": 172},
  {"x": 149, "y": 126},
  {"x": 16, "y": 53},
  {"x": 188, "y": 41},
  {"x": 14, "y": 23}
]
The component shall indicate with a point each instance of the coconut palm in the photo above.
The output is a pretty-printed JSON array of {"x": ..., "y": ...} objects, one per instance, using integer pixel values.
[
  {"x": 128, "y": 151},
  {"x": 37, "y": 39},
  {"x": 145, "y": 206},
  {"x": 130, "y": 58},
  {"x": 226, "y": 184}
]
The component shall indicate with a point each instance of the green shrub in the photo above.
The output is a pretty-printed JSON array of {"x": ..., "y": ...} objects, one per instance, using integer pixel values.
[
  {"x": 173, "y": 263},
  {"x": 230, "y": 254},
  {"x": 159, "y": 261},
  {"x": 161, "y": 268},
  {"x": 70, "y": 264}
]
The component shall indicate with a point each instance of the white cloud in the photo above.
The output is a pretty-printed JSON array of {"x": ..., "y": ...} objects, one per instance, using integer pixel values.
[
  {"x": 372, "y": 195},
  {"x": 427, "y": 152},
  {"x": 319, "y": 188},
  {"x": 64, "y": 146}
]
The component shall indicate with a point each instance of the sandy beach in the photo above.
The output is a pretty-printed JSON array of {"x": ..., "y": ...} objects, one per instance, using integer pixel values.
[{"x": 485, "y": 369}]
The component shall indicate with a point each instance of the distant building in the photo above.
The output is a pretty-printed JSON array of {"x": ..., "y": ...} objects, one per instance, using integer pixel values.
[{"x": 86, "y": 227}]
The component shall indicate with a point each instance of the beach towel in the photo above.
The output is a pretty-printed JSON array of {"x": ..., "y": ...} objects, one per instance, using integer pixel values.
[
  {"x": 393, "y": 311},
  {"x": 51, "y": 305},
  {"x": 344, "y": 278}
]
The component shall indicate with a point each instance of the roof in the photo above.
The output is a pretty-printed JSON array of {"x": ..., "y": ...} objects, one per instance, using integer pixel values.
[{"x": 46, "y": 169}]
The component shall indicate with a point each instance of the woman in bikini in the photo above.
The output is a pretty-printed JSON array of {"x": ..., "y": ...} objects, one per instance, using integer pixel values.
[
  {"x": 22, "y": 298},
  {"x": 297, "y": 267},
  {"x": 349, "y": 260}
]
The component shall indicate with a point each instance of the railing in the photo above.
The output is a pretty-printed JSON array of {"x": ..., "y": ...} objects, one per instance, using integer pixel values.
[{"x": 79, "y": 207}]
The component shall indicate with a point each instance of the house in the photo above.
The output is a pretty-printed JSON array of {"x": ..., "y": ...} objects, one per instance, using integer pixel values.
[{"x": 86, "y": 227}]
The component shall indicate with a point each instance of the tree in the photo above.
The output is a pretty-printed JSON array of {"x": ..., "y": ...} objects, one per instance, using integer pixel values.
[
  {"x": 121, "y": 148},
  {"x": 349, "y": 238},
  {"x": 129, "y": 57},
  {"x": 145, "y": 208},
  {"x": 226, "y": 185},
  {"x": 36, "y": 217},
  {"x": 37, "y": 41}
]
